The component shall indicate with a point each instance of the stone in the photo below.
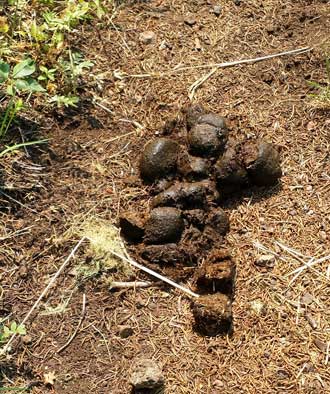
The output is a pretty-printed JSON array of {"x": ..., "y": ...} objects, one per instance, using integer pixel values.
[
  {"x": 147, "y": 37},
  {"x": 217, "y": 10},
  {"x": 265, "y": 261},
  {"x": 146, "y": 375},
  {"x": 307, "y": 299},
  {"x": 27, "y": 339},
  {"x": 190, "y": 20},
  {"x": 258, "y": 307}
]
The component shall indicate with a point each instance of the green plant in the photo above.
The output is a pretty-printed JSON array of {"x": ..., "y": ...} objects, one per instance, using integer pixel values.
[
  {"x": 15, "y": 81},
  {"x": 7, "y": 331},
  {"x": 15, "y": 147},
  {"x": 322, "y": 98},
  {"x": 48, "y": 74},
  {"x": 73, "y": 68},
  {"x": 13, "y": 107},
  {"x": 19, "y": 80},
  {"x": 66, "y": 101}
]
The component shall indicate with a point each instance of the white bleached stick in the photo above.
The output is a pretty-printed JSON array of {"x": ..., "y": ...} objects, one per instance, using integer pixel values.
[{"x": 153, "y": 273}]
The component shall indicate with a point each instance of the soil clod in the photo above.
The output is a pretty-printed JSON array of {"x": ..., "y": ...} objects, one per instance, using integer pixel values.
[
  {"x": 159, "y": 159},
  {"x": 165, "y": 225},
  {"x": 213, "y": 314}
]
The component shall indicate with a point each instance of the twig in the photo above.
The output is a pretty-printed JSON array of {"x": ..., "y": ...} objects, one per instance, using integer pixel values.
[
  {"x": 298, "y": 51},
  {"x": 192, "y": 89},
  {"x": 105, "y": 341},
  {"x": 44, "y": 292},
  {"x": 247, "y": 61},
  {"x": 327, "y": 354},
  {"x": 310, "y": 264},
  {"x": 153, "y": 273},
  {"x": 103, "y": 107},
  {"x": 128, "y": 285},
  {"x": 83, "y": 313}
]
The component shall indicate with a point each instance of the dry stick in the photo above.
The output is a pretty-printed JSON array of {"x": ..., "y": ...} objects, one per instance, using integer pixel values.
[
  {"x": 128, "y": 285},
  {"x": 310, "y": 264},
  {"x": 215, "y": 67},
  {"x": 153, "y": 273},
  {"x": 298, "y": 51},
  {"x": 247, "y": 61},
  {"x": 42, "y": 295},
  {"x": 83, "y": 313}
]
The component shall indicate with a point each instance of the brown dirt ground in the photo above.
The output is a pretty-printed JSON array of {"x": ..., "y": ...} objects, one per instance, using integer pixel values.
[{"x": 86, "y": 172}]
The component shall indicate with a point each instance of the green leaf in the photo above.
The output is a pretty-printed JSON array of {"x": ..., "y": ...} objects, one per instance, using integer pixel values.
[
  {"x": 24, "y": 68},
  {"x": 21, "y": 84},
  {"x": 34, "y": 86},
  {"x": 4, "y": 71},
  {"x": 13, "y": 327},
  {"x": 21, "y": 329},
  {"x": 15, "y": 147},
  {"x": 6, "y": 332},
  {"x": 28, "y": 85}
]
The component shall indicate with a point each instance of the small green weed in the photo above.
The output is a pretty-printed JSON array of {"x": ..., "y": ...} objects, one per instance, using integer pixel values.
[
  {"x": 7, "y": 331},
  {"x": 321, "y": 99}
]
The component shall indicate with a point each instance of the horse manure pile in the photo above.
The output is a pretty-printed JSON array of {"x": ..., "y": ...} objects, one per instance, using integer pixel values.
[{"x": 185, "y": 228}]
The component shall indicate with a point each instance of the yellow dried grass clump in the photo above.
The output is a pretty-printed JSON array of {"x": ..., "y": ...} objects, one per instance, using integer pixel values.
[{"x": 104, "y": 238}]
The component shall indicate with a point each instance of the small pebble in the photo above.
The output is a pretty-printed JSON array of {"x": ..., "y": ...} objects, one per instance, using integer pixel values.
[
  {"x": 266, "y": 260},
  {"x": 190, "y": 20},
  {"x": 147, "y": 37},
  {"x": 323, "y": 235},
  {"x": 306, "y": 299},
  {"x": 217, "y": 10},
  {"x": 258, "y": 307},
  {"x": 27, "y": 339},
  {"x": 125, "y": 331}
]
